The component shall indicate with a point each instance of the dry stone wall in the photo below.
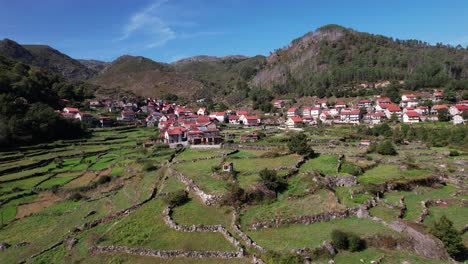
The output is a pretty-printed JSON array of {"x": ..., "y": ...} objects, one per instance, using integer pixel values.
[{"x": 208, "y": 199}]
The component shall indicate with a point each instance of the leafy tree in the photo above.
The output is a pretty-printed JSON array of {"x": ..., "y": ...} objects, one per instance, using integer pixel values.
[
  {"x": 386, "y": 148},
  {"x": 443, "y": 115},
  {"x": 443, "y": 229},
  {"x": 298, "y": 143},
  {"x": 270, "y": 179}
]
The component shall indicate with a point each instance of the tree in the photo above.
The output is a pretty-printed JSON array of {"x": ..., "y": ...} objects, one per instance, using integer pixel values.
[
  {"x": 386, "y": 148},
  {"x": 443, "y": 229},
  {"x": 443, "y": 115},
  {"x": 270, "y": 179},
  {"x": 298, "y": 143}
]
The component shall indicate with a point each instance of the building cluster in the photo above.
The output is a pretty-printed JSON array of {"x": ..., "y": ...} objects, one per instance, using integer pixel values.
[{"x": 410, "y": 110}]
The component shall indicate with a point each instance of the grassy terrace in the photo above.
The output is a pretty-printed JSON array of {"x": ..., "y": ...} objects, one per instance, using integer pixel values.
[
  {"x": 145, "y": 228},
  {"x": 299, "y": 236},
  {"x": 327, "y": 164},
  {"x": 322, "y": 201},
  {"x": 385, "y": 172},
  {"x": 201, "y": 173}
]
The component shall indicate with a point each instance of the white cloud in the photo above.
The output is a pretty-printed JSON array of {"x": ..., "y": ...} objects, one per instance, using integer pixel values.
[
  {"x": 148, "y": 24},
  {"x": 155, "y": 25}
]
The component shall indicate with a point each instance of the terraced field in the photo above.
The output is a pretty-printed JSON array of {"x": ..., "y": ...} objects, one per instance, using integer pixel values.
[{"x": 105, "y": 199}]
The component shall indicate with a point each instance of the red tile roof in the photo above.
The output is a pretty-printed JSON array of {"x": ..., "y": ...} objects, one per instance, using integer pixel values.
[
  {"x": 412, "y": 114},
  {"x": 393, "y": 108},
  {"x": 296, "y": 119}
]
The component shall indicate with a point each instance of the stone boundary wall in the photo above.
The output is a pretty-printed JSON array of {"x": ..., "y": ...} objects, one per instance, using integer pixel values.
[
  {"x": 341, "y": 181},
  {"x": 360, "y": 211},
  {"x": 207, "y": 158},
  {"x": 208, "y": 199},
  {"x": 245, "y": 237},
  {"x": 218, "y": 146},
  {"x": 252, "y": 147},
  {"x": 164, "y": 253},
  {"x": 167, "y": 218},
  {"x": 257, "y": 260}
]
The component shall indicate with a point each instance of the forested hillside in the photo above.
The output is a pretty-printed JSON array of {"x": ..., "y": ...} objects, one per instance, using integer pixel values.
[
  {"x": 28, "y": 97},
  {"x": 335, "y": 60},
  {"x": 47, "y": 58}
]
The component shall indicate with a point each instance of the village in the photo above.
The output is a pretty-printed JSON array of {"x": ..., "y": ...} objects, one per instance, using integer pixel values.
[{"x": 181, "y": 125}]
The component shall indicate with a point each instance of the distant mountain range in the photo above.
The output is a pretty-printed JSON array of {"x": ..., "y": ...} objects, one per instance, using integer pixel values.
[{"x": 328, "y": 61}]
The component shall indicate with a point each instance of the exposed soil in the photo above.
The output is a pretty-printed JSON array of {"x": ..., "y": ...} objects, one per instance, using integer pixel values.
[{"x": 44, "y": 200}]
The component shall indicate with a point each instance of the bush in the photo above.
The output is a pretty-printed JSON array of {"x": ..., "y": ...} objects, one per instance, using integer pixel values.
[
  {"x": 270, "y": 179},
  {"x": 356, "y": 243},
  {"x": 298, "y": 144},
  {"x": 215, "y": 168},
  {"x": 454, "y": 153},
  {"x": 347, "y": 241},
  {"x": 149, "y": 166},
  {"x": 176, "y": 198},
  {"x": 386, "y": 148},
  {"x": 75, "y": 197},
  {"x": 443, "y": 229},
  {"x": 340, "y": 239},
  {"x": 103, "y": 179}
]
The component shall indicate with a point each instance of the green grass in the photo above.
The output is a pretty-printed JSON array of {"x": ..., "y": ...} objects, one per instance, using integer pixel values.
[
  {"x": 371, "y": 254},
  {"x": 145, "y": 228},
  {"x": 196, "y": 213},
  {"x": 299, "y": 236},
  {"x": 385, "y": 213},
  {"x": 201, "y": 173},
  {"x": 56, "y": 181},
  {"x": 321, "y": 201},
  {"x": 190, "y": 154},
  {"x": 116, "y": 171},
  {"x": 325, "y": 164},
  {"x": 414, "y": 198},
  {"x": 456, "y": 213},
  {"x": 385, "y": 172},
  {"x": 345, "y": 198}
]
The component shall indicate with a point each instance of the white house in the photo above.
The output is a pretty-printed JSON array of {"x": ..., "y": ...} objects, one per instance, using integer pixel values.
[
  {"x": 202, "y": 111},
  {"x": 458, "y": 119},
  {"x": 220, "y": 116},
  {"x": 233, "y": 119},
  {"x": 411, "y": 117},
  {"x": 294, "y": 121},
  {"x": 306, "y": 112},
  {"x": 315, "y": 112}
]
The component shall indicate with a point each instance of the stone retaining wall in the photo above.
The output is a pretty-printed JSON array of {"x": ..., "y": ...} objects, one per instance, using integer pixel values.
[
  {"x": 167, "y": 218},
  {"x": 245, "y": 237},
  {"x": 208, "y": 199},
  {"x": 164, "y": 253},
  {"x": 360, "y": 211}
]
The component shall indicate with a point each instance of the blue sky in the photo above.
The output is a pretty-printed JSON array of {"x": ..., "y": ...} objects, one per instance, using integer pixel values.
[{"x": 167, "y": 30}]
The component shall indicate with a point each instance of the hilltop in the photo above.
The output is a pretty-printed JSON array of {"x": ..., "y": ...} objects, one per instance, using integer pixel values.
[
  {"x": 47, "y": 58},
  {"x": 330, "y": 61},
  {"x": 335, "y": 58},
  {"x": 145, "y": 77}
]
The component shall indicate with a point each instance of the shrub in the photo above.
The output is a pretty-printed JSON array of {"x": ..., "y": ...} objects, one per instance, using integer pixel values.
[
  {"x": 340, "y": 239},
  {"x": 75, "y": 197},
  {"x": 149, "y": 166},
  {"x": 103, "y": 179},
  {"x": 356, "y": 243},
  {"x": 176, "y": 198},
  {"x": 386, "y": 148},
  {"x": 454, "y": 153},
  {"x": 235, "y": 196},
  {"x": 298, "y": 144},
  {"x": 270, "y": 179},
  {"x": 215, "y": 168},
  {"x": 345, "y": 241},
  {"x": 443, "y": 229}
]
